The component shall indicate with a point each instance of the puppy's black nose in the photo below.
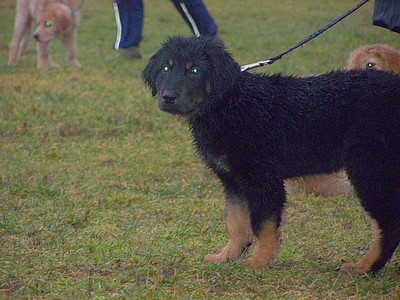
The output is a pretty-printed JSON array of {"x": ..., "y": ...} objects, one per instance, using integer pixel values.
[
  {"x": 36, "y": 36},
  {"x": 169, "y": 97}
]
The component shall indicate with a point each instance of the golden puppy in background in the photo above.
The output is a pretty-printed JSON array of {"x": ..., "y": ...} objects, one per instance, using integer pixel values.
[
  {"x": 334, "y": 184},
  {"x": 53, "y": 18},
  {"x": 377, "y": 56}
]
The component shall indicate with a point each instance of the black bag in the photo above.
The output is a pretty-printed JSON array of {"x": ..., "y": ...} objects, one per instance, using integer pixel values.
[{"x": 387, "y": 14}]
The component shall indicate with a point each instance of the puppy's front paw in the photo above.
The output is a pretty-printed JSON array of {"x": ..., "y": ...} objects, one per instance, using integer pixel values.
[
  {"x": 353, "y": 269},
  {"x": 75, "y": 63},
  {"x": 254, "y": 263},
  {"x": 215, "y": 258}
]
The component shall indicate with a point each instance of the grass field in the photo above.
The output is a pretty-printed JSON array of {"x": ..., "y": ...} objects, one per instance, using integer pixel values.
[{"x": 102, "y": 196}]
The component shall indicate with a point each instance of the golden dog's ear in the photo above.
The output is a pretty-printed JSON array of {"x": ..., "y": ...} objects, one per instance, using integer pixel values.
[
  {"x": 63, "y": 21},
  {"x": 151, "y": 72}
]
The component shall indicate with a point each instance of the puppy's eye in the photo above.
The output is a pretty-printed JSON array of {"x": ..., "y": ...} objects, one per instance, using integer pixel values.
[
  {"x": 195, "y": 71},
  {"x": 370, "y": 65},
  {"x": 166, "y": 68},
  {"x": 47, "y": 24}
]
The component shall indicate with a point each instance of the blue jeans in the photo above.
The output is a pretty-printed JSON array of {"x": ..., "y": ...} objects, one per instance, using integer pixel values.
[
  {"x": 387, "y": 14},
  {"x": 129, "y": 16}
]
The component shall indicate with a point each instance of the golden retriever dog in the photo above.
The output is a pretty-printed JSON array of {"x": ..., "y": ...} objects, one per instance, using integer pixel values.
[
  {"x": 53, "y": 18},
  {"x": 378, "y": 56},
  {"x": 334, "y": 184}
]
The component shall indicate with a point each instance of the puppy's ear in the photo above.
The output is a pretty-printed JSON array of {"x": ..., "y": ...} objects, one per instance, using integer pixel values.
[
  {"x": 63, "y": 21},
  {"x": 150, "y": 73},
  {"x": 224, "y": 70}
]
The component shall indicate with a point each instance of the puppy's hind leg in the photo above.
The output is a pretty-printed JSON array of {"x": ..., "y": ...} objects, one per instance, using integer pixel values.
[
  {"x": 22, "y": 28},
  {"x": 237, "y": 219},
  {"x": 375, "y": 174},
  {"x": 70, "y": 44},
  {"x": 24, "y": 42},
  {"x": 382, "y": 249}
]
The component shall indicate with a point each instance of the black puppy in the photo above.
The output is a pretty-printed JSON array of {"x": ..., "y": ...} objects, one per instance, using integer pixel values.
[{"x": 254, "y": 131}]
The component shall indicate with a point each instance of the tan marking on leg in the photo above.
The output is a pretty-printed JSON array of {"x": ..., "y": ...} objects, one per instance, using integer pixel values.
[
  {"x": 238, "y": 225},
  {"x": 365, "y": 263},
  {"x": 269, "y": 241}
]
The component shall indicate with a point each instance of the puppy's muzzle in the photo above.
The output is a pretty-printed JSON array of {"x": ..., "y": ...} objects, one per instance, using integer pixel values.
[
  {"x": 169, "y": 97},
  {"x": 36, "y": 36}
]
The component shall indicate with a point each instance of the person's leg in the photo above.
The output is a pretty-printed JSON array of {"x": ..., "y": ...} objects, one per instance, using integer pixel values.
[
  {"x": 386, "y": 14},
  {"x": 197, "y": 16},
  {"x": 129, "y": 15}
]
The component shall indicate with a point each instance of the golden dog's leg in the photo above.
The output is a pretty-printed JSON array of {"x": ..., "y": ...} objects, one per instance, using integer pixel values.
[
  {"x": 70, "y": 44},
  {"x": 44, "y": 59},
  {"x": 22, "y": 26},
  {"x": 24, "y": 43},
  {"x": 238, "y": 225},
  {"x": 269, "y": 240},
  {"x": 14, "y": 48},
  {"x": 365, "y": 263}
]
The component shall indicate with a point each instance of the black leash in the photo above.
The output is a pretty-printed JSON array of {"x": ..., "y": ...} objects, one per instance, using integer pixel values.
[
  {"x": 80, "y": 6},
  {"x": 306, "y": 40}
]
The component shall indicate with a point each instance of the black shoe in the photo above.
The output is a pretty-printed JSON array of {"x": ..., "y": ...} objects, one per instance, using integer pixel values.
[{"x": 130, "y": 53}]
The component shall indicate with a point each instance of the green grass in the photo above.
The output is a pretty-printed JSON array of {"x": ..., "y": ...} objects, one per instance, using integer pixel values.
[{"x": 102, "y": 196}]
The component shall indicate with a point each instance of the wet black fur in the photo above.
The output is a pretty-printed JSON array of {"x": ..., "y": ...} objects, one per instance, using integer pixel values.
[{"x": 254, "y": 131}]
